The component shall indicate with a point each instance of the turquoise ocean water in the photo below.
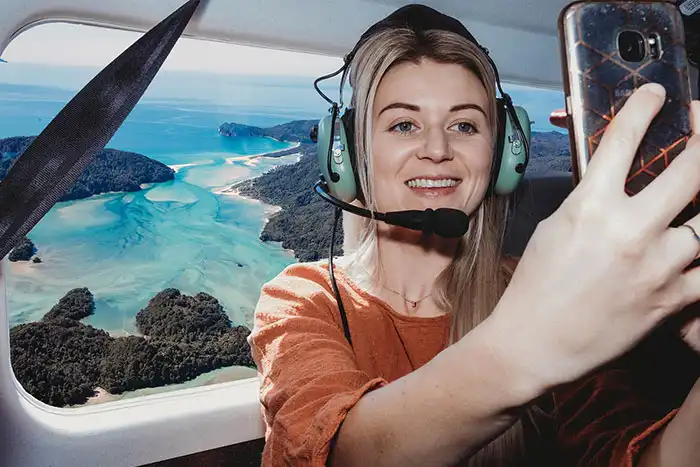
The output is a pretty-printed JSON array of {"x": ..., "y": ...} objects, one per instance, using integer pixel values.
[{"x": 126, "y": 247}]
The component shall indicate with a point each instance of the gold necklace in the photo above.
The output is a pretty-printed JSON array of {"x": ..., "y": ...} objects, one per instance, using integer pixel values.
[{"x": 414, "y": 303}]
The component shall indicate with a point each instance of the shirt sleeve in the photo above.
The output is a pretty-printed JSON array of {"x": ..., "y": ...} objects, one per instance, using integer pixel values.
[
  {"x": 309, "y": 379},
  {"x": 603, "y": 421}
]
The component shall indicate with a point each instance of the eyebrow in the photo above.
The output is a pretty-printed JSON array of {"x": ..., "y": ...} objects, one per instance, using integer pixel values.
[{"x": 415, "y": 108}]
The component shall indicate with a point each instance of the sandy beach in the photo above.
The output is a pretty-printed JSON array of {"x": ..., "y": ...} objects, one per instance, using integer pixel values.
[
  {"x": 221, "y": 375},
  {"x": 272, "y": 153},
  {"x": 178, "y": 167},
  {"x": 269, "y": 210},
  {"x": 251, "y": 160}
]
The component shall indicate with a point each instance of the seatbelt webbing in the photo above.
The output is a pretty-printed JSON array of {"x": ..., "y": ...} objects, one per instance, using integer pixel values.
[{"x": 58, "y": 156}]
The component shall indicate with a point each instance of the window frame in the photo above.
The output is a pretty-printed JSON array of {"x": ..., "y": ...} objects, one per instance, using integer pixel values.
[{"x": 127, "y": 433}]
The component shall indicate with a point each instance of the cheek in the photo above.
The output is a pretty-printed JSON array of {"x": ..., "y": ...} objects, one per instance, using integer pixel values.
[
  {"x": 389, "y": 157},
  {"x": 476, "y": 156}
]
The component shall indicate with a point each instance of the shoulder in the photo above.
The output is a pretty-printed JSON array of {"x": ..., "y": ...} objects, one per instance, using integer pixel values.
[
  {"x": 296, "y": 305},
  {"x": 296, "y": 283},
  {"x": 304, "y": 291}
]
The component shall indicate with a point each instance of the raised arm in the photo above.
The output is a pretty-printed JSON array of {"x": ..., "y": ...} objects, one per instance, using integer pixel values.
[{"x": 561, "y": 316}]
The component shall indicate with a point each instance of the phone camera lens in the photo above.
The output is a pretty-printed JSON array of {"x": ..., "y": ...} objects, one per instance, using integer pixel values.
[{"x": 631, "y": 46}]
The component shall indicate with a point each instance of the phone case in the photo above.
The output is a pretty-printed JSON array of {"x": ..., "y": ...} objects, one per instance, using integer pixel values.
[{"x": 598, "y": 81}]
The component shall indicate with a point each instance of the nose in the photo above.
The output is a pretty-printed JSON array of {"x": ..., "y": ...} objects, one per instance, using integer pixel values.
[{"x": 436, "y": 146}]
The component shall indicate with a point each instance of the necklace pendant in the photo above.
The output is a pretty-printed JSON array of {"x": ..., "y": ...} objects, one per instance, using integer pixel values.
[{"x": 415, "y": 304}]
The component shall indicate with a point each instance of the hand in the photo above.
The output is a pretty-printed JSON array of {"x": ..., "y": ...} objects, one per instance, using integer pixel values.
[{"x": 602, "y": 271}]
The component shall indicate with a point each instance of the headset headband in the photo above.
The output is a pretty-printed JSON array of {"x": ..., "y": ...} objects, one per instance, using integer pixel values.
[{"x": 418, "y": 18}]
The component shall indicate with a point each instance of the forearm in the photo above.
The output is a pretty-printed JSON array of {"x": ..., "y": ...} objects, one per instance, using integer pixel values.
[
  {"x": 677, "y": 444},
  {"x": 438, "y": 414}
]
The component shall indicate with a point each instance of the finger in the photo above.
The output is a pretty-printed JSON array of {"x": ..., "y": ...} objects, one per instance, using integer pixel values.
[
  {"x": 612, "y": 160},
  {"x": 680, "y": 245},
  {"x": 674, "y": 188},
  {"x": 690, "y": 286},
  {"x": 692, "y": 233},
  {"x": 559, "y": 118}
]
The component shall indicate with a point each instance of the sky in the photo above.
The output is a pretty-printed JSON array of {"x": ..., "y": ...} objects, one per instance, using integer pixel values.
[
  {"x": 79, "y": 45},
  {"x": 67, "y": 56}
]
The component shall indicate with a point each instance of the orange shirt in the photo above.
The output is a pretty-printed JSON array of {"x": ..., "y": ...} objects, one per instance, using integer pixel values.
[{"x": 310, "y": 376}]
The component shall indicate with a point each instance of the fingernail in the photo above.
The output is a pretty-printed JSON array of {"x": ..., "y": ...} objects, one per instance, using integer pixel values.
[{"x": 654, "y": 88}]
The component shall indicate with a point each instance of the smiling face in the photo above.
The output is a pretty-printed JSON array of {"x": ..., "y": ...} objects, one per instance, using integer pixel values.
[{"x": 432, "y": 145}]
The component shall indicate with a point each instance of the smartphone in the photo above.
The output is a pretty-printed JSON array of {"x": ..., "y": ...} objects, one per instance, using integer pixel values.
[{"x": 608, "y": 50}]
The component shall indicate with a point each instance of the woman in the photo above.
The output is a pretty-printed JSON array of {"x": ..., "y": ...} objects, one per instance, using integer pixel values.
[{"x": 451, "y": 347}]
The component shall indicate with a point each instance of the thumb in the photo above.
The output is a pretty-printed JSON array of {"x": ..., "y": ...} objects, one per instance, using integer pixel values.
[{"x": 559, "y": 118}]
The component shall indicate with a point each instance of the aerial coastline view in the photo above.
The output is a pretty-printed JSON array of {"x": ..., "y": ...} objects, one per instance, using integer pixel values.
[{"x": 143, "y": 278}]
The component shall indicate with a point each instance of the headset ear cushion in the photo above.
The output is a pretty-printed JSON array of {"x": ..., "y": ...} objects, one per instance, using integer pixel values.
[
  {"x": 348, "y": 120},
  {"x": 501, "y": 116},
  {"x": 512, "y": 151},
  {"x": 339, "y": 179}
]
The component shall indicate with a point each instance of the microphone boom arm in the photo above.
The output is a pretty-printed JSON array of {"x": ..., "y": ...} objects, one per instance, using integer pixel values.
[{"x": 445, "y": 222}]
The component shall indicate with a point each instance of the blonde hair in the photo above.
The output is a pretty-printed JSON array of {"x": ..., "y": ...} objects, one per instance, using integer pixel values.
[{"x": 470, "y": 287}]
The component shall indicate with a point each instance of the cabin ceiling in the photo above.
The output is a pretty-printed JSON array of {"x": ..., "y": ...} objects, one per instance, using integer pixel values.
[
  {"x": 532, "y": 15},
  {"x": 521, "y": 34}
]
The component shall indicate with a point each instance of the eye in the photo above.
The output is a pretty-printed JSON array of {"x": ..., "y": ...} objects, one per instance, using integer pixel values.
[
  {"x": 466, "y": 127},
  {"x": 404, "y": 127}
]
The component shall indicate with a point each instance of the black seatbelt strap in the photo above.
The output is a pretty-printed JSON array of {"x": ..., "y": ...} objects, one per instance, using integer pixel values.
[{"x": 58, "y": 156}]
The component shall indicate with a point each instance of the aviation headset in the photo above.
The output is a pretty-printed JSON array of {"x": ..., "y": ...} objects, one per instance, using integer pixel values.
[{"x": 335, "y": 137}]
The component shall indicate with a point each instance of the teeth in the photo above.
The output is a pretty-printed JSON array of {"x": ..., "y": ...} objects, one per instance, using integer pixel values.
[{"x": 425, "y": 183}]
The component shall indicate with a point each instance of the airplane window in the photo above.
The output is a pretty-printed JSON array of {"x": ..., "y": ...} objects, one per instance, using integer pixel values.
[{"x": 144, "y": 277}]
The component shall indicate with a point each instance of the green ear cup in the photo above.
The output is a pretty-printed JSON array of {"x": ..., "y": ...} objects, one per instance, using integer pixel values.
[
  {"x": 513, "y": 154},
  {"x": 341, "y": 180}
]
